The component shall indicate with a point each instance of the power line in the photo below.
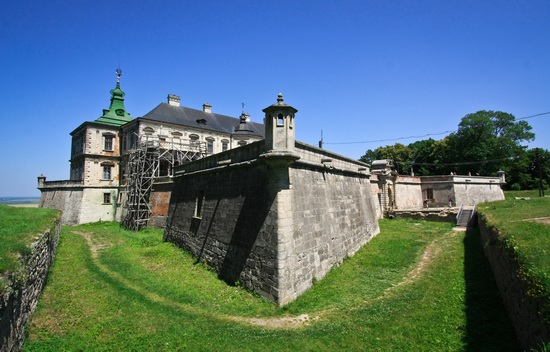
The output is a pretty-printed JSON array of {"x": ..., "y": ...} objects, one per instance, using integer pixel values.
[
  {"x": 528, "y": 117},
  {"x": 392, "y": 139},
  {"x": 426, "y": 135}
]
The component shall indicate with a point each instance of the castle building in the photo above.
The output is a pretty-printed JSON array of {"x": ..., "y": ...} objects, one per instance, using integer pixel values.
[{"x": 117, "y": 161}]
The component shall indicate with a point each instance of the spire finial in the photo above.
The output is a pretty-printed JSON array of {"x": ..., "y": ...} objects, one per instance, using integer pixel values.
[
  {"x": 280, "y": 99},
  {"x": 118, "y": 75},
  {"x": 242, "y": 107}
]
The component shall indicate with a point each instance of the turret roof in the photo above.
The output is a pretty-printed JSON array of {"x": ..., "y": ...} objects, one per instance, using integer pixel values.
[{"x": 116, "y": 115}]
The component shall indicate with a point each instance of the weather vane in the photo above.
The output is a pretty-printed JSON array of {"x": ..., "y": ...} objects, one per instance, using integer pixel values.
[
  {"x": 118, "y": 74},
  {"x": 243, "y": 107}
]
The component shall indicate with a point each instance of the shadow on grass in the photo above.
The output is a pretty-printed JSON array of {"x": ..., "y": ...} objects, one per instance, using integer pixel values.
[{"x": 488, "y": 327}]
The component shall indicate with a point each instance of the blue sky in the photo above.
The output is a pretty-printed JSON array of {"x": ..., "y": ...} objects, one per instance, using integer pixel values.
[{"x": 357, "y": 70}]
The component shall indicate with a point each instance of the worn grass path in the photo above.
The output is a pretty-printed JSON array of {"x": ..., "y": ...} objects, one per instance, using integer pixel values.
[
  {"x": 287, "y": 322},
  {"x": 409, "y": 289}
]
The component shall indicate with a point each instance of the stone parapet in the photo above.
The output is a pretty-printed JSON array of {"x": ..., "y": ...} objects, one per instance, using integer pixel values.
[
  {"x": 312, "y": 154},
  {"x": 62, "y": 184}
]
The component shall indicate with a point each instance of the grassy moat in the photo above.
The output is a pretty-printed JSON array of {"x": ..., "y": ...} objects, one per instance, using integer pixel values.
[{"x": 417, "y": 286}]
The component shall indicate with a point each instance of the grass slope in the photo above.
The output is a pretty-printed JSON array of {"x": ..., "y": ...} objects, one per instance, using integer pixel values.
[
  {"x": 523, "y": 223},
  {"x": 416, "y": 286},
  {"x": 19, "y": 226}
]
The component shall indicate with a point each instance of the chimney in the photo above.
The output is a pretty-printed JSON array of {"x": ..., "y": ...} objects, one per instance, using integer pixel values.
[
  {"x": 207, "y": 107},
  {"x": 173, "y": 100}
]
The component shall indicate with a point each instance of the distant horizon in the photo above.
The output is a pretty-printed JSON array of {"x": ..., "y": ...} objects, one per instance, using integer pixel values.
[{"x": 3, "y": 199}]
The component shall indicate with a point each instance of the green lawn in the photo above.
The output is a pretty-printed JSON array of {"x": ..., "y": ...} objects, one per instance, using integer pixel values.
[
  {"x": 19, "y": 227},
  {"x": 417, "y": 286}
]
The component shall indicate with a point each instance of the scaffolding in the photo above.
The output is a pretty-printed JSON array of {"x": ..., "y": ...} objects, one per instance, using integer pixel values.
[{"x": 150, "y": 159}]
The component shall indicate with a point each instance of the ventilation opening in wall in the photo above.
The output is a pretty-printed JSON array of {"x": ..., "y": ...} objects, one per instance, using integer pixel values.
[
  {"x": 280, "y": 120},
  {"x": 199, "y": 204}
]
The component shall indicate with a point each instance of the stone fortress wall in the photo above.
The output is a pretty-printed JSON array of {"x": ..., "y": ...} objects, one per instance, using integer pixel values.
[
  {"x": 399, "y": 195},
  {"x": 274, "y": 215}
]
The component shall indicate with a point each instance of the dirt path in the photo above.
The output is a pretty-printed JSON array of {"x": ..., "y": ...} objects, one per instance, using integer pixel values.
[
  {"x": 289, "y": 322},
  {"x": 545, "y": 220}
]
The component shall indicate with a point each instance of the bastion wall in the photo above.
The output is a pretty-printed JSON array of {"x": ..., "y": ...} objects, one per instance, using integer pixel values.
[{"x": 274, "y": 223}]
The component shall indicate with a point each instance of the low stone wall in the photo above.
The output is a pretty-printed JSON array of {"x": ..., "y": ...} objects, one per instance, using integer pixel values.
[
  {"x": 523, "y": 309},
  {"x": 428, "y": 214},
  {"x": 21, "y": 296}
]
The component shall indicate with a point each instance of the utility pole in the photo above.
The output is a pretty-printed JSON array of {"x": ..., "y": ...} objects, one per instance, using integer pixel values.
[{"x": 541, "y": 189}]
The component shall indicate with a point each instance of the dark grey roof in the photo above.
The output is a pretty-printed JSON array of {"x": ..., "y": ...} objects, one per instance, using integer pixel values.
[{"x": 181, "y": 115}]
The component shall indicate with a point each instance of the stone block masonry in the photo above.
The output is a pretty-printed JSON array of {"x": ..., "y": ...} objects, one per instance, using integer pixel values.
[
  {"x": 271, "y": 223},
  {"x": 275, "y": 214},
  {"x": 20, "y": 297}
]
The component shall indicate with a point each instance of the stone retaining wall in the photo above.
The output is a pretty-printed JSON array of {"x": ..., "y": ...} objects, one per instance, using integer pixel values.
[
  {"x": 21, "y": 296},
  {"x": 523, "y": 309}
]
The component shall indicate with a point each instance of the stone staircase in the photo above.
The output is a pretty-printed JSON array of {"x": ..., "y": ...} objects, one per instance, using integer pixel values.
[{"x": 465, "y": 216}]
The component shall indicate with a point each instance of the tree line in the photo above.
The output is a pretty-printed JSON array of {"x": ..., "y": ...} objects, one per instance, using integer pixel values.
[{"x": 485, "y": 142}]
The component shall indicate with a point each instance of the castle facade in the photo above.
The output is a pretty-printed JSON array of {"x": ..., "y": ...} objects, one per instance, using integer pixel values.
[{"x": 116, "y": 159}]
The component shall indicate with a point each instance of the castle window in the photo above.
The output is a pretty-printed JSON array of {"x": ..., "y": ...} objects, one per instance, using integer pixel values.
[
  {"x": 199, "y": 204},
  {"x": 210, "y": 145},
  {"x": 106, "y": 198},
  {"x": 225, "y": 145},
  {"x": 108, "y": 142},
  {"x": 148, "y": 131},
  {"x": 241, "y": 143},
  {"x": 107, "y": 172},
  {"x": 280, "y": 120}
]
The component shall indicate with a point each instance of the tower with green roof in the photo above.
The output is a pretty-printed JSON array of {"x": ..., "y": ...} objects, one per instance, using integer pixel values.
[{"x": 116, "y": 115}]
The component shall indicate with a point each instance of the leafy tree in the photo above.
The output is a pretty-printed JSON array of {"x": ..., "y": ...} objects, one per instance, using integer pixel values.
[
  {"x": 487, "y": 141},
  {"x": 423, "y": 157},
  {"x": 369, "y": 156},
  {"x": 399, "y": 153}
]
